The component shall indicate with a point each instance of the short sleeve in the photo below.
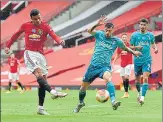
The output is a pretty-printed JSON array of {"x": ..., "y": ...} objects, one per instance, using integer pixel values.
[
  {"x": 132, "y": 39},
  {"x": 120, "y": 43},
  {"x": 97, "y": 33},
  {"x": 152, "y": 38}
]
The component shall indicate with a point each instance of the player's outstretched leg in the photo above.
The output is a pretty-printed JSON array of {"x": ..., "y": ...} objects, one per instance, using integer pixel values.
[
  {"x": 82, "y": 94},
  {"x": 111, "y": 90},
  {"x": 43, "y": 83}
]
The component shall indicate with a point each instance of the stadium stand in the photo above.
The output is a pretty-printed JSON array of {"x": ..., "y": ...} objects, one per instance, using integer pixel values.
[
  {"x": 8, "y": 28},
  {"x": 105, "y": 10},
  {"x": 127, "y": 18}
]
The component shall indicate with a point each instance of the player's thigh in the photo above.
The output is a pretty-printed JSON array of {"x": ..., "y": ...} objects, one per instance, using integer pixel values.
[
  {"x": 147, "y": 66},
  {"x": 16, "y": 77},
  {"x": 91, "y": 74},
  {"x": 33, "y": 63},
  {"x": 31, "y": 60},
  {"x": 107, "y": 76},
  {"x": 10, "y": 76},
  {"x": 43, "y": 64},
  {"x": 128, "y": 70},
  {"x": 122, "y": 71},
  {"x": 106, "y": 73},
  {"x": 137, "y": 70}
]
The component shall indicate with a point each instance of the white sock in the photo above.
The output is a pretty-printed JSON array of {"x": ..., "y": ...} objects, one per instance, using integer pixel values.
[
  {"x": 53, "y": 92},
  {"x": 142, "y": 98},
  {"x": 40, "y": 107}
]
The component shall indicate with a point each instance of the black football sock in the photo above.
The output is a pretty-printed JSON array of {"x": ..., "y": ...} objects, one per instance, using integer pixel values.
[
  {"x": 9, "y": 86},
  {"x": 20, "y": 85},
  {"x": 82, "y": 95},
  {"x": 138, "y": 86},
  {"x": 41, "y": 95},
  {"x": 126, "y": 85}
]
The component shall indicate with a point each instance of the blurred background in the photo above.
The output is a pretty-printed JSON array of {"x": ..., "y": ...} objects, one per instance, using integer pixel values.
[{"x": 70, "y": 19}]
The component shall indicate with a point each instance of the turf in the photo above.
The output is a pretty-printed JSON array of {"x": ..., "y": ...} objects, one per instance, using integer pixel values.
[{"x": 16, "y": 107}]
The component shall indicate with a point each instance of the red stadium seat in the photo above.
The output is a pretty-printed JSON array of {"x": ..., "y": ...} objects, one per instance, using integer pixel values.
[{"x": 48, "y": 11}]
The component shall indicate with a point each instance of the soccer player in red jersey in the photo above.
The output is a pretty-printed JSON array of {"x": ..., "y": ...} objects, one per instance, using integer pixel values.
[
  {"x": 36, "y": 32},
  {"x": 14, "y": 72},
  {"x": 126, "y": 64}
]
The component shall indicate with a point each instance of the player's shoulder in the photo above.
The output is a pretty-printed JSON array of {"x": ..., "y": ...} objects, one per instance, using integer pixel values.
[
  {"x": 27, "y": 23},
  {"x": 45, "y": 23},
  {"x": 116, "y": 38},
  {"x": 150, "y": 33},
  {"x": 135, "y": 33},
  {"x": 100, "y": 31}
]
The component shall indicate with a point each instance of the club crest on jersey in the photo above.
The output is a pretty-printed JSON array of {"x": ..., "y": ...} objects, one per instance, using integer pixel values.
[
  {"x": 34, "y": 30},
  {"x": 40, "y": 32}
]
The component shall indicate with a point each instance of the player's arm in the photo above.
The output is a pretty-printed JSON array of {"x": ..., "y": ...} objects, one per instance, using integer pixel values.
[
  {"x": 55, "y": 36},
  {"x": 13, "y": 39},
  {"x": 132, "y": 41},
  {"x": 154, "y": 46},
  {"x": 116, "y": 56},
  {"x": 100, "y": 22},
  {"x": 125, "y": 48},
  {"x": 136, "y": 47}
]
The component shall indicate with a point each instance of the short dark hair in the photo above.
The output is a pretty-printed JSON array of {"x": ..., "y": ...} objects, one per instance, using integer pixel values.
[
  {"x": 109, "y": 25},
  {"x": 124, "y": 34},
  {"x": 144, "y": 20},
  {"x": 34, "y": 12}
]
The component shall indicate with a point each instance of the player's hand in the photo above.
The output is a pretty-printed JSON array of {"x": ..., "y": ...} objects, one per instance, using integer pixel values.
[
  {"x": 102, "y": 20},
  {"x": 62, "y": 43},
  {"x": 137, "y": 53},
  {"x": 139, "y": 47},
  {"x": 7, "y": 50},
  {"x": 156, "y": 51}
]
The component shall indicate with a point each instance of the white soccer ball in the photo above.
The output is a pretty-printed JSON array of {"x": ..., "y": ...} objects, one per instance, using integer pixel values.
[{"x": 102, "y": 95}]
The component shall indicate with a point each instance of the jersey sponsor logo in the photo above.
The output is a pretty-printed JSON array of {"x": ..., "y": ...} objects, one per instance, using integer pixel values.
[
  {"x": 34, "y": 36},
  {"x": 106, "y": 45}
]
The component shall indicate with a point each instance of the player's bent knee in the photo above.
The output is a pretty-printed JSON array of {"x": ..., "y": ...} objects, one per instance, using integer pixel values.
[
  {"x": 145, "y": 79},
  {"x": 38, "y": 73},
  {"x": 84, "y": 86},
  {"x": 107, "y": 76},
  {"x": 126, "y": 77}
]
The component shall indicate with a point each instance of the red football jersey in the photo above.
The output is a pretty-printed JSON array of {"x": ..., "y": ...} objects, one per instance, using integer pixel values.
[
  {"x": 13, "y": 63},
  {"x": 35, "y": 36},
  {"x": 126, "y": 57}
]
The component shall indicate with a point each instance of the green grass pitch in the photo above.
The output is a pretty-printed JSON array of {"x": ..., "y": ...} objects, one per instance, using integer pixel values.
[{"x": 16, "y": 107}]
